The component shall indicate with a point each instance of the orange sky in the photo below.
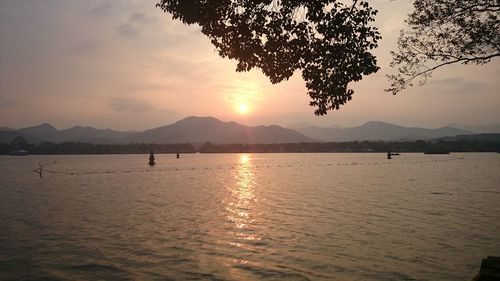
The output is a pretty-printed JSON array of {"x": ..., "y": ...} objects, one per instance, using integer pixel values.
[{"x": 126, "y": 65}]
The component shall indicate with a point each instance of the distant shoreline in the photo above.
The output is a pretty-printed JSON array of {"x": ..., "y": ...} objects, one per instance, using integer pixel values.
[
  {"x": 420, "y": 146},
  {"x": 208, "y": 153}
]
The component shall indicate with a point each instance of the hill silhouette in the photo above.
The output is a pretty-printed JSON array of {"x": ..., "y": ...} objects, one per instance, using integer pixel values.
[
  {"x": 209, "y": 129},
  {"x": 202, "y": 129},
  {"x": 376, "y": 130}
]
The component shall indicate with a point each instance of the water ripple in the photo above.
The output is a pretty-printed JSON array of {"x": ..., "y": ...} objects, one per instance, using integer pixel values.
[{"x": 249, "y": 217}]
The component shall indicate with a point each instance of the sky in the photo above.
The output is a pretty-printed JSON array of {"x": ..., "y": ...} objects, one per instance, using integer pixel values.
[{"x": 127, "y": 65}]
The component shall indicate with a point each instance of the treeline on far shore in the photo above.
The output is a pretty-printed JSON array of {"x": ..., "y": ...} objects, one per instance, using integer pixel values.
[{"x": 207, "y": 147}]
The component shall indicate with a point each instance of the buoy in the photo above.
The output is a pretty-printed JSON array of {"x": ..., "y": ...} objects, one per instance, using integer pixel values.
[{"x": 151, "y": 159}]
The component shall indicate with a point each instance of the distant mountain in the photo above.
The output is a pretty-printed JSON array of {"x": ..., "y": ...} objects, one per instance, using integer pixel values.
[
  {"x": 6, "y": 136},
  {"x": 89, "y": 134},
  {"x": 188, "y": 130},
  {"x": 43, "y": 131},
  {"x": 376, "y": 130},
  {"x": 47, "y": 132},
  {"x": 479, "y": 129},
  {"x": 299, "y": 125},
  {"x": 319, "y": 133},
  {"x": 309, "y": 126},
  {"x": 474, "y": 138},
  {"x": 203, "y": 129}
]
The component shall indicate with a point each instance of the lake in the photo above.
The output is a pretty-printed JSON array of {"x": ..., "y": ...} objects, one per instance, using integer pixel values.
[{"x": 338, "y": 216}]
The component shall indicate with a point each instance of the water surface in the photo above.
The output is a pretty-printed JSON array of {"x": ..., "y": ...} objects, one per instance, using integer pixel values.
[{"x": 249, "y": 216}]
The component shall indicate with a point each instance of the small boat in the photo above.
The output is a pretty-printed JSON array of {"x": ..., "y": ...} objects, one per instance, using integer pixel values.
[
  {"x": 390, "y": 154},
  {"x": 19, "y": 152}
]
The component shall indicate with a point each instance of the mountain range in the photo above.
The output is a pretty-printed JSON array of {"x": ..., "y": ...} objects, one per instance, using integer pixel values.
[
  {"x": 376, "y": 130},
  {"x": 187, "y": 130},
  {"x": 479, "y": 129},
  {"x": 203, "y": 129},
  {"x": 47, "y": 132}
]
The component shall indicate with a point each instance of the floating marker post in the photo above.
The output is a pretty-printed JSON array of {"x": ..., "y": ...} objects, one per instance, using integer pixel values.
[
  {"x": 151, "y": 159},
  {"x": 39, "y": 171}
]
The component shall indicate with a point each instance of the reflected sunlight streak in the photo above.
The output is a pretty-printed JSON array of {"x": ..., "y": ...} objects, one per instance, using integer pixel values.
[{"x": 240, "y": 209}]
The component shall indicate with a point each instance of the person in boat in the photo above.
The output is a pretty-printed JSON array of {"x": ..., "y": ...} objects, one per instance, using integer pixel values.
[{"x": 151, "y": 158}]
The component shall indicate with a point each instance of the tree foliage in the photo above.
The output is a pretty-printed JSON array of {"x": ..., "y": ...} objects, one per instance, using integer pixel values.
[
  {"x": 444, "y": 32},
  {"x": 328, "y": 40}
]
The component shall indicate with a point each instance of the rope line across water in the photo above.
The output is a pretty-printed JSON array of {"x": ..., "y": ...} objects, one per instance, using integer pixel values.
[{"x": 354, "y": 163}]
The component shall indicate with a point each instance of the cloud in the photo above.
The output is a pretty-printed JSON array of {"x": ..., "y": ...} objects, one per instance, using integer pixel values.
[
  {"x": 133, "y": 27},
  {"x": 102, "y": 9},
  {"x": 141, "y": 18},
  {"x": 131, "y": 105},
  {"x": 129, "y": 30},
  {"x": 458, "y": 85},
  {"x": 127, "y": 61}
]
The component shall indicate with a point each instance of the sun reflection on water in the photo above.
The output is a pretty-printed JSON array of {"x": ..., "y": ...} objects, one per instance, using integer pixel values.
[
  {"x": 244, "y": 159},
  {"x": 240, "y": 208}
]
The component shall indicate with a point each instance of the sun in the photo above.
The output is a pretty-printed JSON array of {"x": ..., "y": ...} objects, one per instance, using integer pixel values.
[{"x": 243, "y": 108}]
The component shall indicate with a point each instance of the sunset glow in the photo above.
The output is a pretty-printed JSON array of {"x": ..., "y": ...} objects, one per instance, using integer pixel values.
[
  {"x": 250, "y": 140},
  {"x": 177, "y": 65},
  {"x": 243, "y": 108}
]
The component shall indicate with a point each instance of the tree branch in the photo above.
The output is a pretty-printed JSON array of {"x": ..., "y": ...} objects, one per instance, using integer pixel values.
[{"x": 463, "y": 60}]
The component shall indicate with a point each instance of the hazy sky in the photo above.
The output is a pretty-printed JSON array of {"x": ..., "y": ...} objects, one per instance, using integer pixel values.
[{"x": 127, "y": 65}]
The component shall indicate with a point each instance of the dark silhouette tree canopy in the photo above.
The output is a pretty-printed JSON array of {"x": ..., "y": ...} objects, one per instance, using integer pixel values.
[
  {"x": 444, "y": 32},
  {"x": 328, "y": 40}
]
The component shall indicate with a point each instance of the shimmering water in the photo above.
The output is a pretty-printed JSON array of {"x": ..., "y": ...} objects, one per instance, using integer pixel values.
[{"x": 249, "y": 216}]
